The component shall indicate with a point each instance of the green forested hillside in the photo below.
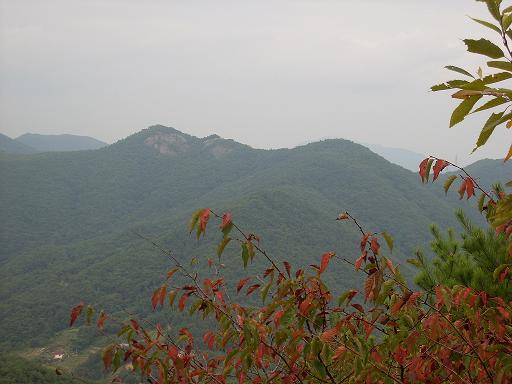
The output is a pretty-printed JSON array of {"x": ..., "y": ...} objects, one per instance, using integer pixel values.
[
  {"x": 17, "y": 370},
  {"x": 68, "y": 219}
]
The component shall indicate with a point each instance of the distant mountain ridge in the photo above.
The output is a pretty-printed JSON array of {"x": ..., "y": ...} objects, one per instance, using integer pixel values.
[
  {"x": 58, "y": 143},
  {"x": 400, "y": 156},
  {"x": 9, "y": 145}
]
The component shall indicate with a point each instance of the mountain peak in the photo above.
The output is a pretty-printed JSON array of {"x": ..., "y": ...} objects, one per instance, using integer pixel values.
[{"x": 170, "y": 142}]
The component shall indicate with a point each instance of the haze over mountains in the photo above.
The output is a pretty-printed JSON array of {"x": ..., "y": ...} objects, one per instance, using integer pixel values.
[
  {"x": 32, "y": 143},
  {"x": 69, "y": 219}
]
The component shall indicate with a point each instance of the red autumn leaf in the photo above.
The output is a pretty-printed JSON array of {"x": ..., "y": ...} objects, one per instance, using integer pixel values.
[
  {"x": 75, "y": 312},
  {"x": 158, "y": 296},
  {"x": 227, "y": 220},
  {"x": 483, "y": 297},
  {"x": 503, "y": 274},
  {"x": 220, "y": 296},
  {"x": 411, "y": 301},
  {"x": 423, "y": 169},
  {"x": 241, "y": 284},
  {"x": 339, "y": 351},
  {"x": 376, "y": 356},
  {"x": 368, "y": 328},
  {"x": 241, "y": 377},
  {"x": 397, "y": 306},
  {"x": 203, "y": 219},
  {"x": 439, "y": 297},
  {"x": 364, "y": 239},
  {"x": 351, "y": 294},
  {"x": 162, "y": 294},
  {"x": 375, "y": 246},
  {"x": 326, "y": 257},
  {"x": 186, "y": 332},
  {"x": 107, "y": 357},
  {"x": 287, "y": 267},
  {"x": 154, "y": 298},
  {"x": 135, "y": 324},
  {"x": 359, "y": 307},
  {"x": 462, "y": 188},
  {"x": 328, "y": 335},
  {"x": 438, "y": 167},
  {"x": 400, "y": 354},
  {"x": 172, "y": 272},
  {"x": 504, "y": 312},
  {"x": 390, "y": 266},
  {"x": 277, "y": 318},
  {"x": 359, "y": 261},
  {"x": 369, "y": 285},
  {"x": 470, "y": 187},
  {"x": 101, "y": 320},
  {"x": 252, "y": 288},
  {"x": 182, "y": 302},
  {"x": 305, "y": 305},
  {"x": 209, "y": 339}
]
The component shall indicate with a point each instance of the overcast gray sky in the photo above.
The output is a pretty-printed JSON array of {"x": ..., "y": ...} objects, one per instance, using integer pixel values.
[{"x": 266, "y": 73}]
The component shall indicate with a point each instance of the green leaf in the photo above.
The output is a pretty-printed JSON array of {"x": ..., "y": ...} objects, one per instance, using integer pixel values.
[
  {"x": 494, "y": 8},
  {"x": 492, "y": 122},
  {"x": 195, "y": 218},
  {"x": 264, "y": 291},
  {"x": 505, "y": 65},
  {"x": 90, "y": 312},
  {"x": 429, "y": 166},
  {"x": 459, "y": 70},
  {"x": 389, "y": 241},
  {"x": 222, "y": 245},
  {"x": 476, "y": 85},
  {"x": 507, "y": 20},
  {"x": 448, "y": 183},
  {"x": 487, "y": 24},
  {"x": 247, "y": 252},
  {"x": 491, "y": 104},
  {"x": 440, "y": 87},
  {"x": 194, "y": 307},
  {"x": 484, "y": 47},
  {"x": 497, "y": 77},
  {"x": 116, "y": 363},
  {"x": 463, "y": 109},
  {"x": 457, "y": 83},
  {"x": 414, "y": 262},
  {"x": 481, "y": 202},
  {"x": 172, "y": 297}
]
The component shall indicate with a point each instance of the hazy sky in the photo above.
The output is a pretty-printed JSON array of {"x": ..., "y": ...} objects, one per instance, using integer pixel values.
[{"x": 267, "y": 73}]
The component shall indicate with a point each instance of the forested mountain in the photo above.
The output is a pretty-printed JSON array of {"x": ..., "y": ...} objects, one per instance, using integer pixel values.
[
  {"x": 70, "y": 220},
  {"x": 57, "y": 143},
  {"x": 9, "y": 145}
]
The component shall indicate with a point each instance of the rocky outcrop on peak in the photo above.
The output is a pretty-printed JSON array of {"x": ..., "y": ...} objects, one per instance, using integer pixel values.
[{"x": 168, "y": 144}]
